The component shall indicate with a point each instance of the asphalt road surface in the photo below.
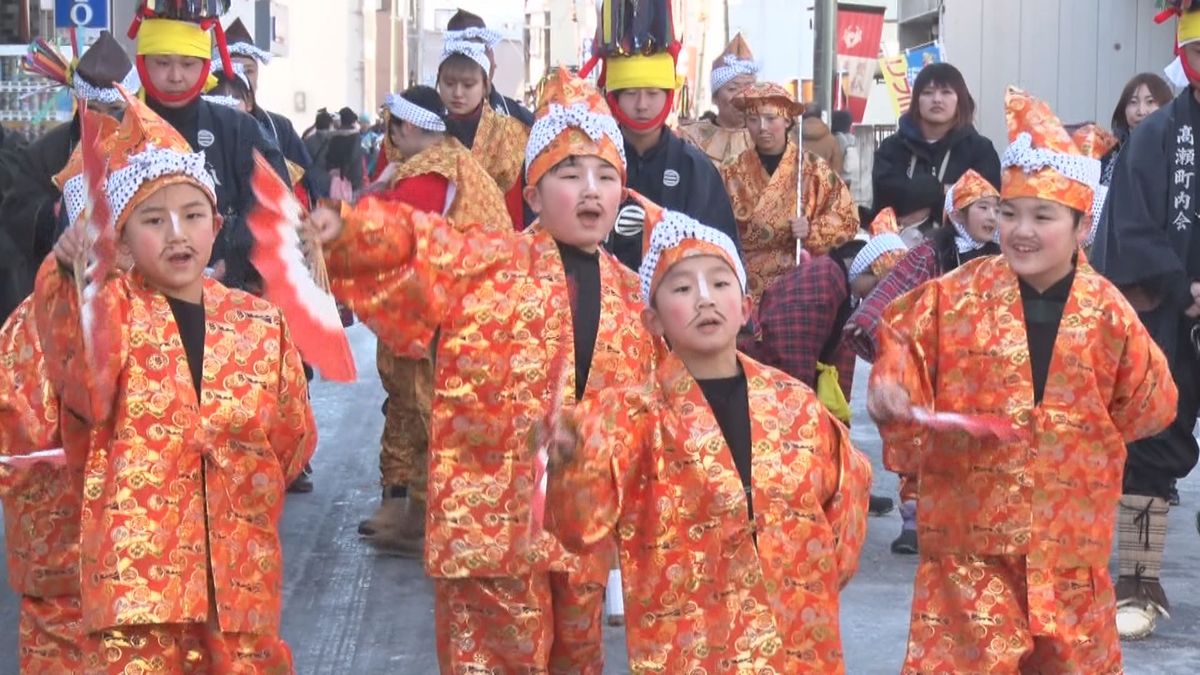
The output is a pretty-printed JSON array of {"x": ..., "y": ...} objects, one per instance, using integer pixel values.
[{"x": 350, "y": 611}]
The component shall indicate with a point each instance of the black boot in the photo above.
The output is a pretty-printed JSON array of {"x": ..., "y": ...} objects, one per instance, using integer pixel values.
[
  {"x": 303, "y": 484},
  {"x": 880, "y": 506}
]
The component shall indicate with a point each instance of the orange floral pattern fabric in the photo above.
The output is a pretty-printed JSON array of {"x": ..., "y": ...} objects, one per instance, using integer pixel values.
[
  {"x": 705, "y": 587},
  {"x": 473, "y": 198},
  {"x": 764, "y": 205},
  {"x": 502, "y": 304},
  {"x": 49, "y": 634},
  {"x": 967, "y": 619},
  {"x": 500, "y": 147},
  {"x": 40, "y": 504},
  {"x": 1050, "y": 501},
  {"x": 1028, "y": 115},
  {"x": 194, "y": 648},
  {"x": 164, "y": 467},
  {"x": 539, "y": 624},
  {"x": 476, "y": 197},
  {"x": 722, "y": 145}
]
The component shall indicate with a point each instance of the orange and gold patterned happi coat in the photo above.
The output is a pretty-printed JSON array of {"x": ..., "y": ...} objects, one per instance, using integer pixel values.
[
  {"x": 161, "y": 467},
  {"x": 721, "y": 145},
  {"x": 502, "y": 304},
  {"x": 500, "y": 147},
  {"x": 474, "y": 196},
  {"x": 1052, "y": 499},
  {"x": 41, "y": 502},
  {"x": 701, "y": 593},
  {"x": 764, "y": 205}
]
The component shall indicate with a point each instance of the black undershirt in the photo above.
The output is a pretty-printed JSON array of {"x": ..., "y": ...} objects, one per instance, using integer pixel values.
[
  {"x": 1043, "y": 314},
  {"x": 730, "y": 403},
  {"x": 190, "y": 318},
  {"x": 185, "y": 120},
  {"x": 770, "y": 162},
  {"x": 583, "y": 270}
]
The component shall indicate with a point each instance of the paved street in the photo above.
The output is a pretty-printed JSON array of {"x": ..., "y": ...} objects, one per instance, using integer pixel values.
[{"x": 348, "y": 610}]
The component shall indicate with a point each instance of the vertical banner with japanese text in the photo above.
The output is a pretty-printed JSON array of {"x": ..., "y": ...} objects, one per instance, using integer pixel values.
[{"x": 895, "y": 76}]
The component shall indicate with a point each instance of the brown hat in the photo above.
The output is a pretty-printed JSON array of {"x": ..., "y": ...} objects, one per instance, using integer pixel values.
[
  {"x": 104, "y": 64},
  {"x": 768, "y": 96}
]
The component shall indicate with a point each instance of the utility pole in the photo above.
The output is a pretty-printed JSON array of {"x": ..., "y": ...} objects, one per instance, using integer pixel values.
[{"x": 825, "y": 54}]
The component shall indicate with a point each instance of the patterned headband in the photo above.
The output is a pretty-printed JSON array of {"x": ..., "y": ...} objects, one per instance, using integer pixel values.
[
  {"x": 733, "y": 68},
  {"x": 1079, "y": 168},
  {"x": 124, "y": 183},
  {"x": 414, "y": 114},
  {"x": 89, "y": 92},
  {"x": 558, "y": 119},
  {"x": 487, "y": 36},
  {"x": 475, "y": 51}
]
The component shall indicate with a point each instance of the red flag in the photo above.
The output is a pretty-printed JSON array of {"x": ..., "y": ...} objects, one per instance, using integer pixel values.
[
  {"x": 978, "y": 426},
  {"x": 859, "y": 32},
  {"x": 310, "y": 310},
  {"x": 94, "y": 267}
]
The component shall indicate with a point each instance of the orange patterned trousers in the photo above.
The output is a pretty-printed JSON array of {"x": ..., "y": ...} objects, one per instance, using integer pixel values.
[
  {"x": 971, "y": 615},
  {"x": 404, "y": 447},
  {"x": 178, "y": 649},
  {"x": 545, "y": 623},
  {"x": 50, "y": 629}
]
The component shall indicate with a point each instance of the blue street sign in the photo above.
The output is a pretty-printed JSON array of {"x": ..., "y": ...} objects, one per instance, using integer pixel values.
[{"x": 81, "y": 13}]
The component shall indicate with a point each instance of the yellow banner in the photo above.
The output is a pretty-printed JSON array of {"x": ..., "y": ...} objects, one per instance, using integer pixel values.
[{"x": 895, "y": 76}]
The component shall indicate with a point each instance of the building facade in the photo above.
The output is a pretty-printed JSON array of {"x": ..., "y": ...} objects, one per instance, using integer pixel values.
[{"x": 1076, "y": 54}]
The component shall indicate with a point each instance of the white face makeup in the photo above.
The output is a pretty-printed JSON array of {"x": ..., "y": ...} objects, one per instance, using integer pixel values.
[
  {"x": 702, "y": 286},
  {"x": 176, "y": 229},
  {"x": 593, "y": 181}
]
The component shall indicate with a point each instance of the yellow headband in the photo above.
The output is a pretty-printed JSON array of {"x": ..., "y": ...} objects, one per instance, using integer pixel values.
[
  {"x": 165, "y": 36},
  {"x": 1189, "y": 28},
  {"x": 641, "y": 72}
]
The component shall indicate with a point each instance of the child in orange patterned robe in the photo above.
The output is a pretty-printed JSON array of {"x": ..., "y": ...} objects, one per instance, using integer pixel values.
[
  {"x": 435, "y": 173},
  {"x": 762, "y": 185},
  {"x": 508, "y": 597},
  {"x": 41, "y": 505},
  {"x": 1015, "y": 536},
  {"x": 738, "y": 503},
  {"x": 197, "y": 417}
]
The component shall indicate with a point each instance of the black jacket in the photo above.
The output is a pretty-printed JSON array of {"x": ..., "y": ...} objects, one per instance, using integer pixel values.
[
  {"x": 1137, "y": 243},
  {"x": 283, "y": 133},
  {"x": 16, "y": 277},
  {"x": 227, "y": 136},
  {"x": 28, "y": 208},
  {"x": 907, "y": 167},
  {"x": 28, "y": 221},
  {"x": 678, "y": 176}
]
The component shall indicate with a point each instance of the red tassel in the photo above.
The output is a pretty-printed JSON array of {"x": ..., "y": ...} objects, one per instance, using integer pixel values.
[{"x": 222, "y": 46}]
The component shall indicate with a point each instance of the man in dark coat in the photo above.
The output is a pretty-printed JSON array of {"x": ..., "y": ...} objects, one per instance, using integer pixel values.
[
  {"x": 1146, "y": 244},
  {"x": 174, "y": 71},
  {"x": 661, "y": 166},
  {"x": 28, "y": 213}
]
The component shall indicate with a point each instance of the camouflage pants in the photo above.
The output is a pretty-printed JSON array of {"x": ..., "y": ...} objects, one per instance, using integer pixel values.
[{"x": 404, "y": 447}]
